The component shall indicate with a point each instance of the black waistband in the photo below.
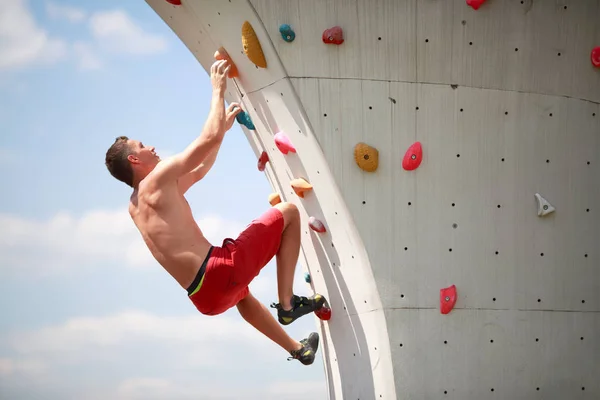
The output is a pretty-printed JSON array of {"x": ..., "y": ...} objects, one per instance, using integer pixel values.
[{"x": 200, "y": 273}]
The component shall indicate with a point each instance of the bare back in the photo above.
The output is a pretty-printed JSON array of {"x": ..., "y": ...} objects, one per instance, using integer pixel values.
[{"x": 164, "y": 218}]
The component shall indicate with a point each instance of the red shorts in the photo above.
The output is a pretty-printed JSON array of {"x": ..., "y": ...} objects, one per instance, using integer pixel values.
[{"x": 228, "y": 270}]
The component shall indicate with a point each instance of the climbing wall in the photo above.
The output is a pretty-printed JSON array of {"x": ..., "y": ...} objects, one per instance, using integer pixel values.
[{"x": 445, "y": 157}]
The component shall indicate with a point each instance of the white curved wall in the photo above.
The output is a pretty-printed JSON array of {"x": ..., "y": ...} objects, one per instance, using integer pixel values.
[{"x": 505, "y": 102}]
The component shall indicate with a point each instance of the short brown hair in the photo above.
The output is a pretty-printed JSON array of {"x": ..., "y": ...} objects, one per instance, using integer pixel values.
[{"x": 117, "y": 163}]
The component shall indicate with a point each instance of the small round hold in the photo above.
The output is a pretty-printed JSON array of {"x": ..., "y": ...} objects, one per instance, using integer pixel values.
[
  {"x": 366, "y": 157},
  {"x": 595, "y": 56},
  {"x": 287, "y": 33},
  {"x": 334, "y": 35},
  {"x": 316, "y": 225},
  {"x": 307, "y": 277}
]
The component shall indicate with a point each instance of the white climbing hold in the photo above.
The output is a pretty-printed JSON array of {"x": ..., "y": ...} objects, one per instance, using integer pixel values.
[{"x": 544, "y": 207}]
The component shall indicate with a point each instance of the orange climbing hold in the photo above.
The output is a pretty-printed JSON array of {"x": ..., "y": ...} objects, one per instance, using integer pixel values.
[
  {"x": 447, "y": 299},
  {"x": 475, "y": 4},
  {"x": 333, "y": 35},
  {"x": 262, "y": 161},
  {"x": 366, "y": 157},
  {"x": 283, "y": 143},
  {"x": 274, "y": 198},
  {"x": 300, "y": 186},
  {"x": 316, "y": 225},
  {"x": 221, "y": 54},
  {"x": 413, "y": 157},
  {"x": 596, "y": 56},
  {"x": 252, "y": 46}
]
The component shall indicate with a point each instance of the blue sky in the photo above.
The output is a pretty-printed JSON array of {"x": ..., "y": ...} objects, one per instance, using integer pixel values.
[{"x": 86, "y": 312}]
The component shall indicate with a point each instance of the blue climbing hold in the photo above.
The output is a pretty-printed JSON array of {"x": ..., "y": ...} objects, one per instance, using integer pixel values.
[
  {"x": 307, "y": 277},
  {"x": 287, "y": 33},
  {"x": 244, "y": 118}
]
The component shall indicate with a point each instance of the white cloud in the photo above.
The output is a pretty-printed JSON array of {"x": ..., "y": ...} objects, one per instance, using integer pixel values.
[
  {"x": 138, "y": 355},
  {"x": 87, "y": 57},
  {"x": 59, "y": 11},
  {"x": 66, "y": 241},
  {"x": 22, "y": 41},
  {"x": 27, "y": 366},
  {"x": 116, "y": 32}
]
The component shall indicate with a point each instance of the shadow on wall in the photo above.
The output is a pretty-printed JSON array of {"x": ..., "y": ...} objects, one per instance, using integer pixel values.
[{"x": 350, "y": 347}]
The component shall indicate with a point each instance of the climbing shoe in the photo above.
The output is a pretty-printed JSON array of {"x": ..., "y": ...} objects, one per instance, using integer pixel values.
[
  {"x": 300, "y": 306},
  {"x": 306, "y": 355}
]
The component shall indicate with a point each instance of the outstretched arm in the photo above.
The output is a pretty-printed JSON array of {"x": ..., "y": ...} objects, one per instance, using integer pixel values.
[
  {"x": 211, "y": 136},
  {"x": 186, "y": 181}
]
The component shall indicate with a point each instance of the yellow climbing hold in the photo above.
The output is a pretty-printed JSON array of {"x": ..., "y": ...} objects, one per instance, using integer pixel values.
[
  {"x": 300, "y": 186},
  {"x": 366, "y": 157},
  {"x": 252, "y": 46},
  {"x": 274, "y": 199}
]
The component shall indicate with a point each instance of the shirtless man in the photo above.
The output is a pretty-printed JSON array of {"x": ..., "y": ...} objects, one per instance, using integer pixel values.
[{"x": 216, "y": 278}]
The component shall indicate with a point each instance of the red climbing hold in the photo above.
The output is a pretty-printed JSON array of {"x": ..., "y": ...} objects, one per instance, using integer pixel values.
[
  {"x": 174, "y": 2},
  {"x": 316, "y": 225},
  {"x": 447, "y": 299},
  {"x": 283, "y": 143},
  {"x": 413, "y": 157},
  {"x": 333, "y": 35},
  {"x": 475, "y": 3},
  {"x": 323, "y": 313},
  {"x": 262, "y": 161},
  {"x": 596, "y": 56}
]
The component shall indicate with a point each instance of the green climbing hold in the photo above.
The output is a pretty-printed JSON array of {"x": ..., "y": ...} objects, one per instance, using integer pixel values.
[
  {"x": 244, "y": 118},
  {"x": 287, "y": 33}
]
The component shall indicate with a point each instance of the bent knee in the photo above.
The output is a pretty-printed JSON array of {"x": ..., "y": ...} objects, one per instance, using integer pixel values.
[{"x": 290, "y": 212}]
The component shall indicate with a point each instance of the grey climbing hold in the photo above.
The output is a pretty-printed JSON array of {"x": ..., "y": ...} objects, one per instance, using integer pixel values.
[
  {"x": 244, "y": 118},
  {"x": 287, "y": 33},
  {"x": 544, "y": 207}
]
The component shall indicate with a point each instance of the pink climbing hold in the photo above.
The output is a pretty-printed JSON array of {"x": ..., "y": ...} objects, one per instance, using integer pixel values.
[
  {"x": 283, "y": 143},
  {"x": 447, "y": 299},
  {"x": 174, "y": 2},
  {"x": 475, "y": 3},
  {"x": 333, "y": 35},
  {"x": 262, "y": 161},
  {"x": 596, "y": 56},
  {"x": 316, "y": 225},
  {"x": 413, "y": 157}
]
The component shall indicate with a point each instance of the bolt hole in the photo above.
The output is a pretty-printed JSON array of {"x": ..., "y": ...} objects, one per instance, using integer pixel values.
[{"x": 426, "y": 40}]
